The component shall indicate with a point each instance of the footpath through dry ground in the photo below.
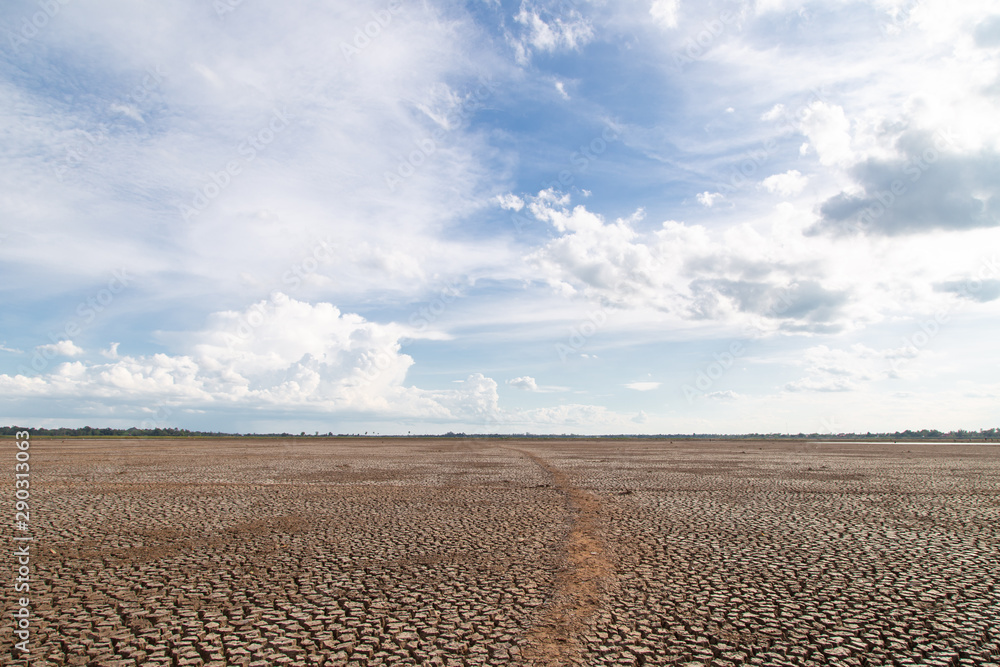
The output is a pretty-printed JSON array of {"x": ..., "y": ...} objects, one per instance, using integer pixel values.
[{"x": 580, "y": 587}]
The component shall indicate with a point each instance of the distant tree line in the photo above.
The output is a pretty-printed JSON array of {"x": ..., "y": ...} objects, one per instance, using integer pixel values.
[
  {"x": 90, "y": 431},
  {"x": 924, "y": 434}
]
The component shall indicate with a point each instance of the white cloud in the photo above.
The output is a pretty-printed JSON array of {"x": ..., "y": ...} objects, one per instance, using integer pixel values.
[
  {"x": 587, "y": 418},
  {"x": 665, "y": 12},
  {"x": 776, "y": 112},
  {"x": 526, "y": 383},
  {"x": 765, "y": 6},
  {"x": 64, "y": 348},
  {"x": 727, "y": 395},
  {"x": 643, "y": 386},
  {"x": 568, "y": 32},
  {"x": 742, "y": 277},
  {"x": 828, "y": 130},
  {"x": 281, "y": 353},
  {"x": 325, "y": 170},
  {"x": 710, "y": 199},
  {"x": 822, "y": 384},
  {"x": 756, "y": 278},
  {"x": 829, "y": 369},
  {"x": 510, "y": 202},
  {"x": 788, "y": 184},
  {"x": 476, "y": 400}
]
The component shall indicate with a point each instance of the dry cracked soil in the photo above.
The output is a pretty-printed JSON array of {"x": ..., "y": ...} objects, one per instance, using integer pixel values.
[{"x": 509, "y": 552}]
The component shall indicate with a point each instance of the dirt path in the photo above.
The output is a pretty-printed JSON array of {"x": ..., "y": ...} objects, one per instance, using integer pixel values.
[{"x": 554, "y": 640}]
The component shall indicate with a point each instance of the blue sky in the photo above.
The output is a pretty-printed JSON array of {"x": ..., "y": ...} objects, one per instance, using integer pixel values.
[{"x": 575, "y": 216}]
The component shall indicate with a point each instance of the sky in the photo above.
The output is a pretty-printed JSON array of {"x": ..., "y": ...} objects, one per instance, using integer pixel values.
[{"x": 495, "y": 216}]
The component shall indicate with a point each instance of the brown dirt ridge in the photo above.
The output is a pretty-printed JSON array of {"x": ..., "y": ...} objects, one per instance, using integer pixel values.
[{"x": 554, "y": 640}]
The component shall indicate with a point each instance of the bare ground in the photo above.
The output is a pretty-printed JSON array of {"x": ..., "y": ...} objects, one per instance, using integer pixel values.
[{"x": 481, "y": 552}]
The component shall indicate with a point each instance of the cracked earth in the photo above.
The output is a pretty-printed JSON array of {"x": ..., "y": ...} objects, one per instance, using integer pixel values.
[{"x": 503, "y": 552}]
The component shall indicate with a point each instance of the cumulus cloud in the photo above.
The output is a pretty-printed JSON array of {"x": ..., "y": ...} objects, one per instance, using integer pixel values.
[
  {"x": 475, "y": 400},
  {"x": 510, "y": 202},
  {"x": 278, "y": 353},
  {"x": 829, "y": 133},
  {"x": 805, "y": 305},
  {"x": 682, "y": 270},
  {"x": 526, "y": 383},
  {"x": 63, "y": 348},
  {"x": 927, "y": 186},
  {"x": 709, "y": 199},
  {"x": 788, "y": 184}
]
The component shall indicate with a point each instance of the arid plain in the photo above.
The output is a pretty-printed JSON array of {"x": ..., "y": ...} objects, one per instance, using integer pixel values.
[{"x": 311, "y": 551}]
